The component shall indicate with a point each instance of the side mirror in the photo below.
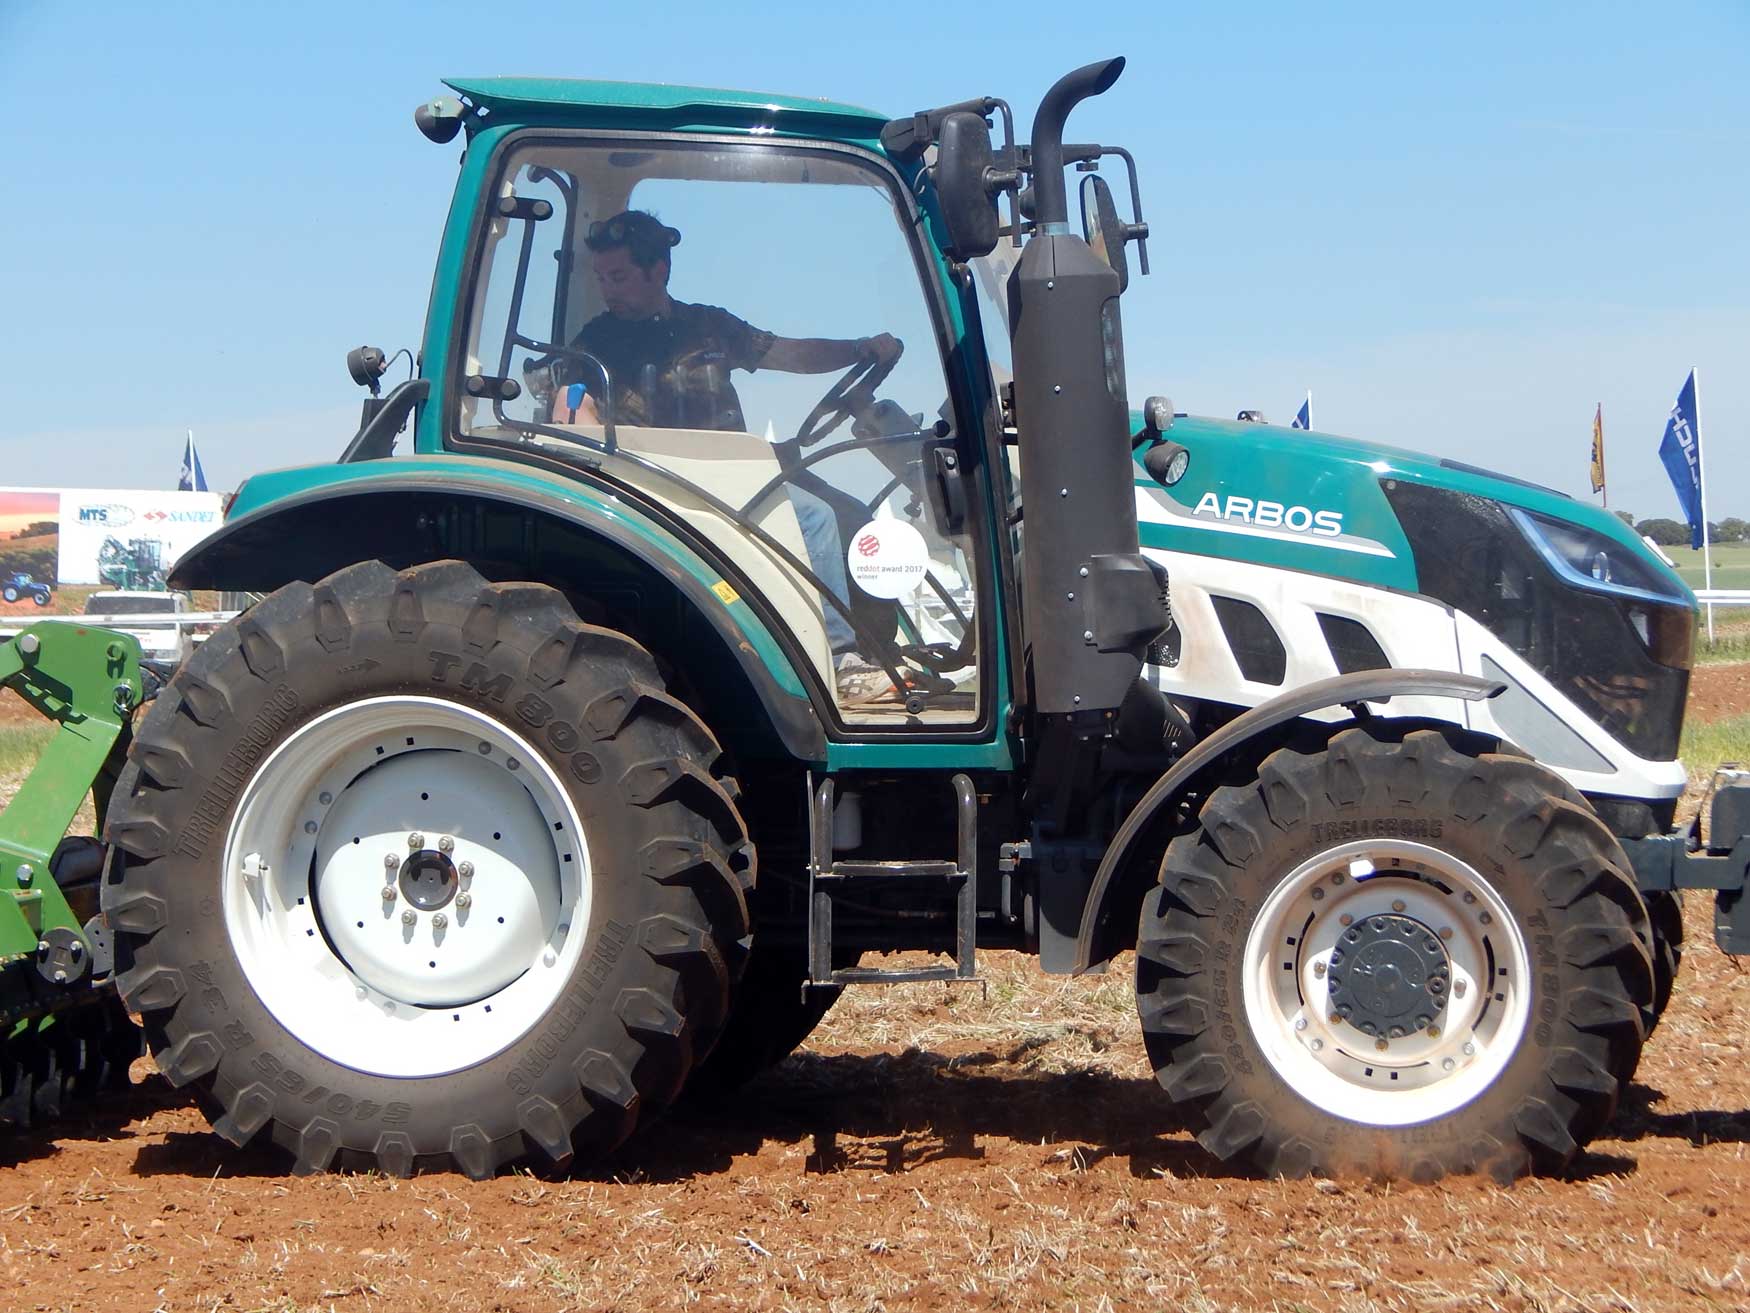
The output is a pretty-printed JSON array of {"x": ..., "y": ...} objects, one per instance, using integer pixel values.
[
  {"x": 964, "y": 164},
  {"x": 1106, "y": 233}
]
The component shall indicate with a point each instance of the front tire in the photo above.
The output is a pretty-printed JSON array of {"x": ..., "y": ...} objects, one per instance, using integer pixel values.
[
  {"x": 9, "y": 593},
  {"x": 423, "y": 872},
  {"x": 1394, "y": 959}
]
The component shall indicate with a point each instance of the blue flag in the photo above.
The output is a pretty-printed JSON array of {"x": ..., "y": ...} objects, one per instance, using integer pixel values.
[
  {"x": 1303, "y": 420},
  {"x": 1680, "y": 450},
  {"x": 194, "y": 479}
]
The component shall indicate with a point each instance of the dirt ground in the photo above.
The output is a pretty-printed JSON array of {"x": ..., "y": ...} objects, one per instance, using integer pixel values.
[{"x": 993, "y": 1148}]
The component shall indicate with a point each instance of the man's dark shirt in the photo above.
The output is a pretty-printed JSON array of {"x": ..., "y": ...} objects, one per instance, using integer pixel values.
[{"x": 672, "y": 370}]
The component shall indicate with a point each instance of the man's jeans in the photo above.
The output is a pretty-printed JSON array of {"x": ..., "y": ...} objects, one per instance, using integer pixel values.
[{"x": 826, "y": 557}]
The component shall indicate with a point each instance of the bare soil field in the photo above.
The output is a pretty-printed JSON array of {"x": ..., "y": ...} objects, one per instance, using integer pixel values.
[{"x": 995, "y": 1147}]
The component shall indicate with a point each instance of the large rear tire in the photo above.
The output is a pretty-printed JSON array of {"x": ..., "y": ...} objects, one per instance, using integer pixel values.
[
  {"x": 423, "y": 872},
  {"x": 771, "y": 1017},
  {"x": 1394, "y": 959}
]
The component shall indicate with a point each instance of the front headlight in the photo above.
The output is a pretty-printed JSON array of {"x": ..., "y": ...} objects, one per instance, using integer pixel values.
[{"x": 1592, "y": 561}]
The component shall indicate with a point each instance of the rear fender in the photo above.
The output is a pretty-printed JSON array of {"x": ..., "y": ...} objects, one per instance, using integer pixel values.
[
  {"x": 1262, "y": 723},
  {"x": 520, "y": 530}
]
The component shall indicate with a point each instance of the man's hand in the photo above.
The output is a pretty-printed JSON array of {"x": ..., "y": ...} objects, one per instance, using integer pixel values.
[{"x": 883, "y": 348}]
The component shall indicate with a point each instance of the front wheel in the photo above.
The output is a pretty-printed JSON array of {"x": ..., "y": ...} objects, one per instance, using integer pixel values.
[
  {"x": 1394, "y": 958},
  {"x": 422, "y": 872},
  {"x": 9, "y": 593}
]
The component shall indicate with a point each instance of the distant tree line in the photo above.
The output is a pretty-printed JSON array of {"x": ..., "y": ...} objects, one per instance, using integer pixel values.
[{"x": 1675, "y": 533}]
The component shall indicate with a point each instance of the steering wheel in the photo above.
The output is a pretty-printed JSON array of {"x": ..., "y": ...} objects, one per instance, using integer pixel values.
[{"x": 855, "y": 389}]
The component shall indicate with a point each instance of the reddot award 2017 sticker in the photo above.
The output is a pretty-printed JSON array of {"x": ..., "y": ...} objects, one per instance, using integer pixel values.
[{"x": 887, "y": 558}]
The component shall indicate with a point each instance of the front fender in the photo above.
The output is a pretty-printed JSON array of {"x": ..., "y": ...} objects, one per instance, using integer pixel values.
[
  {"x": 1349, "y": 690},
  {"x": 306, "y": 523}
]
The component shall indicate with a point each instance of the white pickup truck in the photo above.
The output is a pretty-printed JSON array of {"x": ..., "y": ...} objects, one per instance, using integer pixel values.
[{"x": 145, "y": 615}]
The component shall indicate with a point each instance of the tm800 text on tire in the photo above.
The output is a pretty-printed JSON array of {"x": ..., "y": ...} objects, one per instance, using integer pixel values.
[
  {"x": 422, "y": 871},
  {"x": 1394, "y": 958}
]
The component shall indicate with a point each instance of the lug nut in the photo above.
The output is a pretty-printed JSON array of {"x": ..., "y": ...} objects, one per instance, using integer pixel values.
[
  {"x": 1336, "y": 1020},
  {"x": 1446, "y": 932},
  {"x": 409, "y": 917},
  {"x": 1300, "y": 1023},
  {"x": 416, "y": 840},
  {"x": 1319, "y": 969},
  {"x": 446, "y": 844},
  {"x": 1434, "y": 1032},
  {"x": 1318, "y": 1044},
  {"x": 390, "y": 861},
  {"x": 388, "y": 893},
  {"x": 465, "y": 870},
  {"x": 1381, "y": 1045},
  {"x": 1345, "y": 919},
  {"x": 26, "y": 873},
  {"x": 1447, "y": 1064},
  {"x": 1469, "y": 1049},
  {"x": 1458, "y": 989},
  {"x": 464, "y": 901},
  {"x": 439, "y": 921},
  {"x": 1485, "y": 918}
]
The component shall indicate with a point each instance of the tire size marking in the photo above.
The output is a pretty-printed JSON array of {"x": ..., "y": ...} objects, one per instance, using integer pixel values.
[
  {"x": 331, "y": 1101},
  {"x": 262, "y": 734},
  {"x": 570, "y": 1009},
  {"x": 1382, "y": 827}
]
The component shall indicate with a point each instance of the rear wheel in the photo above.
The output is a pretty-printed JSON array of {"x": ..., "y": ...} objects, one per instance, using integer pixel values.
[
  {"x": 421, "y": 872},
  {"x": 772, "y": 1016},
  {"x": 1394, "y": 959}
]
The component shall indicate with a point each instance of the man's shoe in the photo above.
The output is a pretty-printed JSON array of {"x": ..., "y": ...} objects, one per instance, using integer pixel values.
[{"x": 860, "y": 682}]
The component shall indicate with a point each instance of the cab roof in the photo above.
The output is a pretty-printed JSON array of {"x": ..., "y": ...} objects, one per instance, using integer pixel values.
[{"x": 543, "y": 97}]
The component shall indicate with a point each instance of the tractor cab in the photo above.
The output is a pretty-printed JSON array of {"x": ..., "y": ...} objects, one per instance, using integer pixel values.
[{"x": 749, "y": 335}]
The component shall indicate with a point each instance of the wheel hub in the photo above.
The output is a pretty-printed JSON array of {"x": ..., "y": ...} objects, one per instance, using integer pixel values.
[
  {"x": 429, "y": 880},
  {"x": 1389, "y": 976}
]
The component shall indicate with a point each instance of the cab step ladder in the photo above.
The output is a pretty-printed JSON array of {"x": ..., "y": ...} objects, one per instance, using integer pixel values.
[{"x": 827, "y": 879}]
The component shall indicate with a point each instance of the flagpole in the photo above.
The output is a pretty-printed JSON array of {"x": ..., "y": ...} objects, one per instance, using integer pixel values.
[{"x": 1707, "y": 557}]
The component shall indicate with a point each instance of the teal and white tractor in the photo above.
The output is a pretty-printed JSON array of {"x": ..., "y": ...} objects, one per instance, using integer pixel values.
[{"x": 589, "y": 748}]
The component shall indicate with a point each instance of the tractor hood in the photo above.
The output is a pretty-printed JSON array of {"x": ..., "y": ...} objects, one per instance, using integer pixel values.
[{"x": 1333, "y": 505}]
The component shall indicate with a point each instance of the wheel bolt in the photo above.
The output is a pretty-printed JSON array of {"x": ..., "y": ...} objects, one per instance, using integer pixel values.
[
  {"x": 1318, "y": 895},
  {"x": 464, "y": 901},
  {"x": 1485, "y": 918},
  {"x": 1397, "y": 904},
  {"x": 1336, "y": 1020},
  {"x": 1345, "y": 919},
  {"x": 409, "y": 917},
  {"x": 439, "y": 921},
  {"x": 390, "y": 861},
  {"x": 1300, "y": 1023},
  {"x": 1447, "y": 1064},
  {"x": 1469, "y": 899},
  {"x": 446, "y": 844},
  {"x": 1458, "y": 989},
  {"x": 1381, "y": 1045},
  {"x": 1319, "y": 969},
  {"x": 1469, "y": 1049},
  {"x": 416, "y": 840},
  {"x": 1434, "y": 1032},
  {"x": 1446, "y": 932},
  {"x": 388, "y": 893},
  {"x": 1318, "y": 1044},
  {"x": 465, "y": 870}
]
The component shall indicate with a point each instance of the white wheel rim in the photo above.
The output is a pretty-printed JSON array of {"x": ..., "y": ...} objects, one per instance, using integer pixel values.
[
  {"x": 1421, "y": 1075},
  {"x": 491, "y": 886}
]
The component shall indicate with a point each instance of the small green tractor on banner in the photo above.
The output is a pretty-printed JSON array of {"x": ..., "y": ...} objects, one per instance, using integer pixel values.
[{"x": 588, "y": 750}]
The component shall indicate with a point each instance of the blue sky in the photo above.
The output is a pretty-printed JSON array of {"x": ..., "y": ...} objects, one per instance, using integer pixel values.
[{"x": 1460, "y": 229}]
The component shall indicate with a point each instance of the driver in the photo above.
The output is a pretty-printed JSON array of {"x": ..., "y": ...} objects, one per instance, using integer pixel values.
[
  {"x": 669, "y": 360},
  {"x": 669, "y": 364}
]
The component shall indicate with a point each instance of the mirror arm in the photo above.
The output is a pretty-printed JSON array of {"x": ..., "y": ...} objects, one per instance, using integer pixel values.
[{"x": 376, "y": 437}]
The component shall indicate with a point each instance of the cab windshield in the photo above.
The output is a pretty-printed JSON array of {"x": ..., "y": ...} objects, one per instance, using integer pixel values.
[{"x": 740, "y": 332}]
